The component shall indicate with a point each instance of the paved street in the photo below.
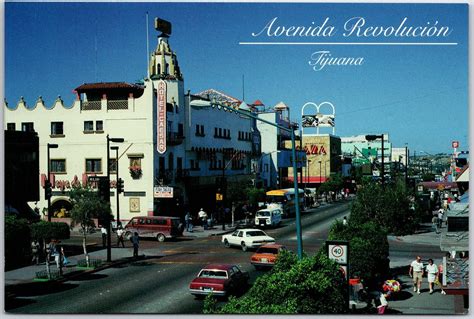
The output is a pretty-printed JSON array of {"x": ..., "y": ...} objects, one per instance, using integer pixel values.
[{"x": 158, "y": 282}]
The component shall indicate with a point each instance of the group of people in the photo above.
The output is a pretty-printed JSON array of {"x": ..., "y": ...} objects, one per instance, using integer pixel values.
[
  {"x": 433, "y": 271},
  {"x": 203, "y": 219},
  {"x": 437, "y": 220},
  {"x": 52, "y": 250},
  {"x": 120, "y": 239}
]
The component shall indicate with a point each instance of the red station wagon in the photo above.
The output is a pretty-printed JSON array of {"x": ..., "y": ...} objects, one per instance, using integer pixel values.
[
  {"x": 159, "y": 227},
  {"x": 219, "y": 279}
]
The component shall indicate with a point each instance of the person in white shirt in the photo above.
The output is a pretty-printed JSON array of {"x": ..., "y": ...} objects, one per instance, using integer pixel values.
[
  {"x": 120, "y": 237},
  {"x": 416, "y": 272},
  {"x": 103, "y": 230},
  {"x": 203, "y": 217},
  {"x": 432, "y": 271}
]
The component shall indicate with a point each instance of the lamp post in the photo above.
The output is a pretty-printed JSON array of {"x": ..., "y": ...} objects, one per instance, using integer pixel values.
[
  {"x": 49, "y": 146},
  {"x": 116, "y": 148},
  {"x": 320, "y": 172},
  {"x": 382, "y": 170},
  {"x": 109, "y": 229}
]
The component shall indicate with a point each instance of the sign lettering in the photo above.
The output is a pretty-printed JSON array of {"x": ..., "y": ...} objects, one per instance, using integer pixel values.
[{"x": 161, "y": 118}]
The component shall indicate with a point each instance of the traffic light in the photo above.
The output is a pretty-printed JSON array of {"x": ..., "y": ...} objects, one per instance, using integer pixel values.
[
  {"x": 104, "y": 189},
  {"x": 119, "y": 186},
  {"x": 47, "y": 189}
]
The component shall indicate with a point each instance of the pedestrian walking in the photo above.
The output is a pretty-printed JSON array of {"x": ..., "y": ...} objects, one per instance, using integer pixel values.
[
  {"x": 440, "y": 217},
  {"x": 35, "y": 250},
  {"x": 203, "y": 217},
  {"x": 63, "y": 256},
  {"x": 344, "y": 221},
  {"x": 438, "y": 277},
  {"x": 188, "y": 222},
  {"x": 416, "y": 272},
  {"x": 432, "y": 271},
  {"x": 434, "y": 221},
  {"x": 53, "y": 250},
  {"x": 135, "y": 242},
  {"x": 103, "y": 230},
  {"x": 120, "y": 237}
]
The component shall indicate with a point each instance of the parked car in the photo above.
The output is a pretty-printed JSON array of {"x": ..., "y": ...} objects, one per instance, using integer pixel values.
[
  {"x": 266, "y": 255},
  {"x": 159, "y": 227},
  {"x": 220, "y": 280},
  {"x": 270, "y": 216},
  {"x": 247, "y": 238}
]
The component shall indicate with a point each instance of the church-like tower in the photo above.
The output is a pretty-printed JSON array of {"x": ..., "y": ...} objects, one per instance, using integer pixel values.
[{"x": 163, "y": 62}]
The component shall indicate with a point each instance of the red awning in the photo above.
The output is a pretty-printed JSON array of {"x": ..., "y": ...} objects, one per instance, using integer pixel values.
[{"x": 311, "y": 179}]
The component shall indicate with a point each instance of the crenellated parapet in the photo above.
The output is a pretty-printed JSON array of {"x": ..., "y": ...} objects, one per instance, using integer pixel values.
[{"x": 40, "y": 104}]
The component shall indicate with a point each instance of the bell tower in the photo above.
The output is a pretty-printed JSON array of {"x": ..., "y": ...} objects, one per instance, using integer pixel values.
[{"x": 163, "y": 62}]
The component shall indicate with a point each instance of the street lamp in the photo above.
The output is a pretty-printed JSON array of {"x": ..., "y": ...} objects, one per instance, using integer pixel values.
[
  {"x": 373, "y": 138},
  {"x": 109, "y": 229},
  {"x": 48, "y": 184},
  {"x": 116, "y": 148},
  {"x": 320, "y": 172}
]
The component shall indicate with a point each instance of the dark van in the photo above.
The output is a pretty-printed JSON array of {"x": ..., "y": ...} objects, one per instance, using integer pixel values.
[{"x": 159, "y": 227}]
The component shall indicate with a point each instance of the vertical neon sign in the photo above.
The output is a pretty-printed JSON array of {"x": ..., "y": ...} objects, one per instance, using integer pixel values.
[{"x": 161, "y": 118}]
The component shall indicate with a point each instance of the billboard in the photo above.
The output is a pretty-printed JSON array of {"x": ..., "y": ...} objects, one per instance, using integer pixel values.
[{"x": 318, "y": 120}]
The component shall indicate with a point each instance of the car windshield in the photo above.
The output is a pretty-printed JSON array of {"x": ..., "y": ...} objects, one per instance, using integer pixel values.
[
  {"x": 267, "y": 250},
  {"x": 254, "y": 233},
  {"x": 263, "y": 213},
  {"x": 212, "y": 274}
]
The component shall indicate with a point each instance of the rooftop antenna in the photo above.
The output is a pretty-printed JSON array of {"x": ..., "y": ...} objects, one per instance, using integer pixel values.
[
  {"x": 243, "y": 87},
  {"x": 147, "y": 47}
]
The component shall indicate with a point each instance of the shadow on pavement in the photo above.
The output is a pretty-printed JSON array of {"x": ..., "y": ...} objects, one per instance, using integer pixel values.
[
  {"x": 38, "y": 288},
  {"x": 12, "y": 303},
  {"x": 89, "y": 276}
]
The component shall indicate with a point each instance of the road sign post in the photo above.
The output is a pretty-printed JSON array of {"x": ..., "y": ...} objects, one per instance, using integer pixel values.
[{"x": 338, "y": 250}]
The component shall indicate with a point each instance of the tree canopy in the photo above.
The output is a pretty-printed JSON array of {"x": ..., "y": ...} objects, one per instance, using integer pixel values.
[{"x": 312, "y": 285}]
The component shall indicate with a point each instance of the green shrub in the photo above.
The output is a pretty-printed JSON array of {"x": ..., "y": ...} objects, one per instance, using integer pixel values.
[
  {"x": 388, "y": 206},
  {"x": 368, "y": 248},
  {"x": 312, "y": 285},
  {"x": 17, "y": 242},
  {"x": 50, "y": 230}
]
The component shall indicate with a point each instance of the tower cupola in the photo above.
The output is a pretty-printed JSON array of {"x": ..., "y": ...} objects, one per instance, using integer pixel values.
[{"x": 163, "y": 61}]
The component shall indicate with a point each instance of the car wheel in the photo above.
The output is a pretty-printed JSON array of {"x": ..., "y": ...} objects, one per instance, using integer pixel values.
[
  {"x": 226, "y": 243},
  {"x": 161, "y": 238},
  {"x": 257, "y": 267},
  {"x": 128, "y": 235},
  {"x": 244, "y": 247}
]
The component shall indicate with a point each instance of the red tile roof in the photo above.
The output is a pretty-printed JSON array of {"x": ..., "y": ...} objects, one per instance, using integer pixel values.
[{"x": 108, "y": 86}]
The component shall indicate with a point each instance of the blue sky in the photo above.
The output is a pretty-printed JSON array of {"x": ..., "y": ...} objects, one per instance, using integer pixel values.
[{"x": 417, "y": 94}]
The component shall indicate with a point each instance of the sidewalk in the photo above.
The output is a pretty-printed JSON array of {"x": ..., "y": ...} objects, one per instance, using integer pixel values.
[
  {"x": 118, "y": 255},
  {"x": 424, "y": 236}
]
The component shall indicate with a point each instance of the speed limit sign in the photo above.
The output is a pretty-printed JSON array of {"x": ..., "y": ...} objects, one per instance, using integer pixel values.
[{"x": 337, "y": 251}]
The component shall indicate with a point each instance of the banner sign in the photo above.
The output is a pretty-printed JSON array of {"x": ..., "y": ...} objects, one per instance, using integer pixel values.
[
  {"x": 162, "y": 192},
  {"x": 161, "y": 118},
  {"x": 318, "y": 120}
]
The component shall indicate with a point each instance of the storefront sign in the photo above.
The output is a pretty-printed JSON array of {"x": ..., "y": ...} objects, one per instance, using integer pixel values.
[
  {"x": 315, "y": 150},
  {"x": 161, "y": 118},
  {"x": 163, "y": 192}
]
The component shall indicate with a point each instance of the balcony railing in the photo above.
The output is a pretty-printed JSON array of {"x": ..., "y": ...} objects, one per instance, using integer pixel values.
[
  {"x": 91, "y": 105},
  {"x": 117, "y": 104},
  {"x": 173, "y": 138}
]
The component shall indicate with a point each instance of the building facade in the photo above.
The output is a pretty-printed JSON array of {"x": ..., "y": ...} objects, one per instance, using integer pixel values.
[{"x": 172, "y": 152}]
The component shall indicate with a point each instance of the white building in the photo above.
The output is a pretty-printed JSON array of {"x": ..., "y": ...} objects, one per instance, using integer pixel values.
[{"x": 167, "y": 142}]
